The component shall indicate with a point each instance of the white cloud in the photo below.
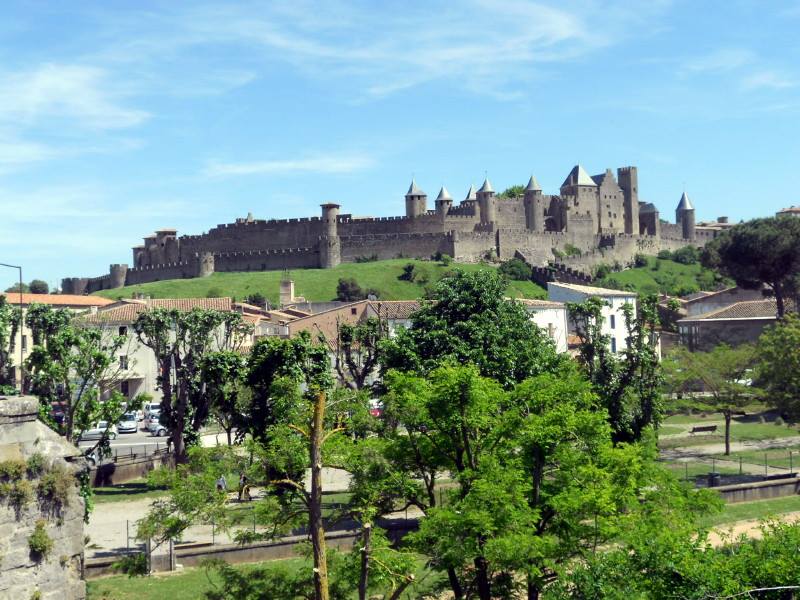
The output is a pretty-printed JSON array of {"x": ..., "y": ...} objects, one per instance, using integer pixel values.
[
  {"x": 84, "y": 94},
  {"x": 768, "y": 79},
  {"x": 321, "y": 164},
  {"x": 724, "y": 59},
  {"x": 14, "y": 153}
]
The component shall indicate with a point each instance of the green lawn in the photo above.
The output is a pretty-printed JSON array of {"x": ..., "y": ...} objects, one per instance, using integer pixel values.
[
  {"x": 692, "y": 469},
  {"x": 775, "y": 458},
  {"x": 744, "y": 511},
  {"x": 667, "y": 430},
  {"x": 740, "y": 432},
  {"x": 664, "y": 276},
  {"x": 318, "y": 285},
  {"x": 190, "y": 584},
  {"x": 133, "y": 490}
]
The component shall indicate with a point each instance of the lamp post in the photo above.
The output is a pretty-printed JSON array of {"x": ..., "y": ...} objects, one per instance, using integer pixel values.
[{"x": 21, "y": 326}]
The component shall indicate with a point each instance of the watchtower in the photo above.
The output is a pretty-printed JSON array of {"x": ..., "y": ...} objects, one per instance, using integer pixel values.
[
  {"x": 486, "y": 202},
  {"x": 534, "y": 205},
  {"x": 416, "y": 201},
  {"x": 628, "y": 179},
  {"x": 684, "y": 216}
]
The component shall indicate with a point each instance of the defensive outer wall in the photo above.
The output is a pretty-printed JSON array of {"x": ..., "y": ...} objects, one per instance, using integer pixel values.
[{"x": 599, "y": 215}]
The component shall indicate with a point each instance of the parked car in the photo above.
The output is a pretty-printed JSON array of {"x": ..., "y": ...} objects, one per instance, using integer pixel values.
[
  {"x": 128, "y": 423},
  {"x": 155, "y": 428},
  {"x": 151, "y": 407},
  {"x": 92, "y": 457},
  {"x": 96, "y": 431}
]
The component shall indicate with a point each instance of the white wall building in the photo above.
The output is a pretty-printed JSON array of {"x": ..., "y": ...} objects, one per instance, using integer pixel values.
[
  {"x": 613, "y": 317},
  {"x": 550, "y": 317}
]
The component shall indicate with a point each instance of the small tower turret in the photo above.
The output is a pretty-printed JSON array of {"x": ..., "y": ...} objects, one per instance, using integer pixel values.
[
  {"x": 416, "y": 201},
  {"x": 486, "y": 202},
  {"x": 443, "y": 202},
  {"x": 534, "y": 206},
  {"x": 684, "y": 216}
]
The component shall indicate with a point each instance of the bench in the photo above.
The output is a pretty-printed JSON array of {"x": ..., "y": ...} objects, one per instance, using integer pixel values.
[{"x": 703, "y": 429}]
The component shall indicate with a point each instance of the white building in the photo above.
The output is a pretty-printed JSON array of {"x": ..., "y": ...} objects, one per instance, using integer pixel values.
[
  {"x": 613, "y": 316},
  {"x": 550, "y": 317}
]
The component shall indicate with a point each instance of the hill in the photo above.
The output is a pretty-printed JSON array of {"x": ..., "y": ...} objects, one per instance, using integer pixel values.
[
  {"x": 318, "y": 285},
  {"x": 666, "y": 277}
]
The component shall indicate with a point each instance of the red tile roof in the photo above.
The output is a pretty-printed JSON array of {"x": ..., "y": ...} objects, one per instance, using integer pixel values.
[
  {"x": 394, "y": 309},
  {"x": 126, "y": 311},
  {"x": 748, "y": 309},
  {"x": 58, "y": 300}
]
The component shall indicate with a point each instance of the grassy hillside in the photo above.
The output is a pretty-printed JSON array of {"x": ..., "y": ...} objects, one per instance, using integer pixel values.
[
  {"x": 317, "y": 284},
  {"x": 665, "y": 276}
]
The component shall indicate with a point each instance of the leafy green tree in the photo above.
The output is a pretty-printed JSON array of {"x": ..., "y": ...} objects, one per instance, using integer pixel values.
[
  {"x": 516, "y": 269},
  {"x": 348, "y": 290},
  {"x": 16, "y": 288},
  {"x": 724, "y": 373},
  {"x": 688, "y": 255},
  {"x": 778, "y": 367},
  {"x": 257, "y": 299},
  {"x": 180, "y": 341},
  {"x": 469, "y": 320},
  {"x": 515, "y": 191},
  {"x": 224, "y": 374},
  {"x": 628, "y": 383},
  {"x": 9, "y": 326},
  {"x": 759, "y": 252},
  {"x": 357, "y": 351},
  {"x": 77, "y": 368},
  {"x": 37, "y": 286}
]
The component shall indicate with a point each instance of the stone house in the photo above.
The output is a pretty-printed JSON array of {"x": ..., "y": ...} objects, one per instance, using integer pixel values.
[
  {"x": 550, "y": 317},
  {"x": 734, "y": 324}
]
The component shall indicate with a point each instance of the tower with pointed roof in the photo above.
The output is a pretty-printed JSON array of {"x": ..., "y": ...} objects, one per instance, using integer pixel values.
[
  {"x": 684, "y": 216},
  {"x": 443, "y": 202},
  {"x": 580, "y": 202},
  {"x": 416, "y": 201},
  {"x": 486, "y": 202},
  {"x": 534, "y": 206}
]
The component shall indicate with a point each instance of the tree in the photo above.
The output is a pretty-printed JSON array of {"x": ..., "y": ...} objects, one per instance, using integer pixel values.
[
  {"x": 16, "y": 289},
  {"x": 181, "y": 340},
  {"x": 357, "y": 351},
  {"x": 469, "y": 320},
  {"x": 9, "y": 326},
  {"x": 257, "y": 299},
  {"x": 77, "y": 368},
  {"x": 223, "y": 374},
  {"x": 515, "y": 191},
  {"x": 778, "y": 366},
  {"x": 628, "y": 383},
  {"x": 688, "y": 255},
  {"x": 724, "y": 373},
  {"x": 37, "y": 286},
  {"x": 348, "y": 290},
  {"x": 759, "y": 252},
  {"x": 516, "y": 269}
]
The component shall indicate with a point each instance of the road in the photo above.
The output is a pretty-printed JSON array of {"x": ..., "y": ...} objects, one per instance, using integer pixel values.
[{"x": 127, "y": 443}]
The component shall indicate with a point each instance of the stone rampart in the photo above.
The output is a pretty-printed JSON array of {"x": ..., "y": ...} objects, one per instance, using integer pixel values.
[
  {"x": 267, "y": 260},
  {"x": 410, "y": 245}
]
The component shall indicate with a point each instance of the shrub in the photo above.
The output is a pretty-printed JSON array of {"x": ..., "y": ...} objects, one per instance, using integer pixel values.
[
  {"x": 37, "y": 286},
  {"x": 761, "y": 419},
  {"x": 779, "y": 422},
  {"x": 688, "y": 255},
  {"x": 133, "y": 565},
  {"x": 215, "y": 292},
  {"x": 445, "y": 259},
  {"x": 39, "y": 542},
  {"x": 639, "y": 260},
  {"x": 409, "y": 273},
  {"x": 558, "y": 254},
  {"x": 665, "y": 255},
  {"x": 602, "y": 270},
  {"x": 19, "y": 493},
  {"x": 657, "y": 265},
  {"x": 571, "y": 250},
  {"x": 35, "y": 465},
  {"x": 257, "y": 299},
  {"x": 348, "y": 290},
  {"x": 13, "y": 469},
  {"x": 366, "y": 259},
  {"x": 516, "y": 269},
  {"x": 54, "y": 486}
]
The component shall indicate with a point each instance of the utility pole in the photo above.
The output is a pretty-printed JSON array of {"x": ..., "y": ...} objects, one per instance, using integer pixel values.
[{"x": 21, "y": 326}]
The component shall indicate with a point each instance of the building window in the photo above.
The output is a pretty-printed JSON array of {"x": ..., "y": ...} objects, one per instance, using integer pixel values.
[
  {"x": 124, "y": 389},
  {"x": 614, "y": 345},
  {"x": 353, "y": 310},
  {"x": 551, "y": 331},
  {"x": 612, "y": 322},
  {"x": 123, "y": 331},
  {"x": 24, "y": 343},
  {"x": 123, "y": 362}
]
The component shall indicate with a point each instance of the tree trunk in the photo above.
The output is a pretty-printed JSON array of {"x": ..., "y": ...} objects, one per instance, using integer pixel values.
[
  {"x": 363, "y": 581},
  {"x": 728, "y": 414},
  {"x": 482, "y": 577},
  {"x": 455, "y": 584},
  {"x": 228, "y": 435},
  {"x": 533, "y": 589},
  {"x": 315, "y": 508}
]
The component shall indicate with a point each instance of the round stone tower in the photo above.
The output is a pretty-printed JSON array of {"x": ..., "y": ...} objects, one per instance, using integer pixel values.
[
  {"x": 118, "y": 276},
  {"x": 330, "y": 247},
  {"x": 684, "y": 216},
  {"x": 534, "y": 206},
  {"x": 205, "y": 264},
  {"x": 486, "y": 202},
  {"x": 416, "y": 201},
  {"x": 443, "y": 202}
]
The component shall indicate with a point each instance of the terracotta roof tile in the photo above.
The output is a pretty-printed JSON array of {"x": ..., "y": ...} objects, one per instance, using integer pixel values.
[
  {"x": 63, "y": 300},
  {"x": 395, "y": 309},
  {"x": 126, "y": 311},
  {"x": 748, "y": 309}
]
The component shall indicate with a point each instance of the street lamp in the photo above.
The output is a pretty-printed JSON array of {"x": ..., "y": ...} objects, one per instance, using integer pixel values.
[{"x": 21, "y": 326}]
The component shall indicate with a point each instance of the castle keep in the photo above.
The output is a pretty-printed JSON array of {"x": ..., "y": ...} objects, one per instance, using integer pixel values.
[{"x": 601, "y": 216}]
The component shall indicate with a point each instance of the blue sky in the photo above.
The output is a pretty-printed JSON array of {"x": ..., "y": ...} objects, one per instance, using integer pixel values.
[{"x": 117, "y": 118}]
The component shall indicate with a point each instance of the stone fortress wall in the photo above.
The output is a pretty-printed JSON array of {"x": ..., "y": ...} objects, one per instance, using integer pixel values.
[{"x": 599, "y": 215}]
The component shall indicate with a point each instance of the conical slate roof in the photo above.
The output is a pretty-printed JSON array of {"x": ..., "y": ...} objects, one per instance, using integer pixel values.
[
  {"x": 685, "y": 203},
  {"x": 578, "y": 176},
  {"x": 471, "y": 193},
  {"x": 444, "y": 194},
  {"x": 533, "y": 185},
  {"x": 414, "y": 189},
  {"x": 487, "y": 186}
]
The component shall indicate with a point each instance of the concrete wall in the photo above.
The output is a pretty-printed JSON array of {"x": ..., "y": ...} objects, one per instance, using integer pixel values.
[
  {"x": 704, "y": 335},
  {"x": 760, "y": 490},
  {"x": 57, "y": 576}
]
